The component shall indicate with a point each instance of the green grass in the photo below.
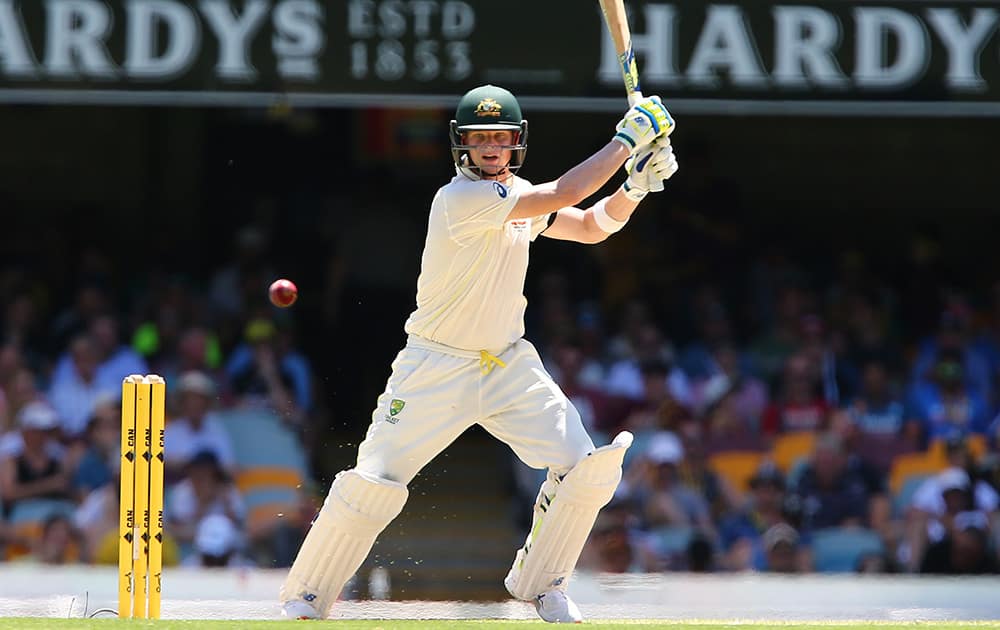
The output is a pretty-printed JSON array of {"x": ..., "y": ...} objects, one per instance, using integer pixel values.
[{"x": 488, "y": 624}]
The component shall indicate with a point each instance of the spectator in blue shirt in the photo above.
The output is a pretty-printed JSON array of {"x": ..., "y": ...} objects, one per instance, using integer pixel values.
[
  {"x": 266, "y": 369},
  {"x": 115, "y": 360},
  {"x": 877, "y": 410},
  {"x": 953, "y": 339},
  {"x": 74, "y": 393},
  {"x": 740, "y": 535},
  {"x": 947, "y": 405},
  {"x": 103, "y": 444}
]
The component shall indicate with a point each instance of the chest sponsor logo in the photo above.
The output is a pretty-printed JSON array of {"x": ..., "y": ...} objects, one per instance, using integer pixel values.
[{"x": 501, "y": 189}]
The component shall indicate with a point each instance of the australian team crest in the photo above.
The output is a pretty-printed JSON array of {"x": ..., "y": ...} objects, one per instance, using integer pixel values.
[
  {"x": 396, "y": 406},
  {"x": 488, "y": 107}
]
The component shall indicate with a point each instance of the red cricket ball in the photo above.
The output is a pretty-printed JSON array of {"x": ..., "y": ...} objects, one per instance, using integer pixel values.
[{"x": 283, "y": 293}]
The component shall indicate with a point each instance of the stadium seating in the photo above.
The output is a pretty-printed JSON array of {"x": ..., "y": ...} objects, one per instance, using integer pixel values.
[
  {"x": 839, "y": 549},
  {"x": 791, "y": 447},
  {"x": 909, "y": 465},
  {"x": 271, "y": 463},
  {"x": 736, "y": 467},
  {"x": 902, "y": 499},
  {"x": 974, "y": 442}
]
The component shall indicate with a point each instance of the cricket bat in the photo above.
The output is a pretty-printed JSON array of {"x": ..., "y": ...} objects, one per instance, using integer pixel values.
[{"x": 617, "y": 21}]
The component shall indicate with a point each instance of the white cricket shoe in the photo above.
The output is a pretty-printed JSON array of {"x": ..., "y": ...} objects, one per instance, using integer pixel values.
[
  {"x": 556, "y": 607},
  {"x": 298, "y": 609}
]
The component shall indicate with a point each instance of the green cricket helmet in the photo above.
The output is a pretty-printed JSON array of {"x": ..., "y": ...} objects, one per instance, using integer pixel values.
[{"x": 488, "y": 108}]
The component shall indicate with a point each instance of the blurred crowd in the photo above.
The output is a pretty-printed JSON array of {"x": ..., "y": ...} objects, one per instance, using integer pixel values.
[
  {"x": 227, "y": 357},
  {"x": 782, "y": 422},
  {"x": 827, "y": 436}
]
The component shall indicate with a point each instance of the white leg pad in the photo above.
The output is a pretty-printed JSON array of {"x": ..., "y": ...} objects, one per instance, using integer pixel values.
[
  {"x": 357, "y": 509},
  {"x": 565, "y": 512}
]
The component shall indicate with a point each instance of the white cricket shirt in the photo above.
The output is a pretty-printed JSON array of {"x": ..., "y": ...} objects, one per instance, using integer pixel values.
[{"x": 470, "y": 293}]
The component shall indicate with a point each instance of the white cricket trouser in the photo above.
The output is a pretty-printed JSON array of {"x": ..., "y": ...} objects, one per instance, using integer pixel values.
[{"x": 436, "y": 392}]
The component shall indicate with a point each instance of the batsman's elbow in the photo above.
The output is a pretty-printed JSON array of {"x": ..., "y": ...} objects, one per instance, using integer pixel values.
[{"x": 594, "y": 235}]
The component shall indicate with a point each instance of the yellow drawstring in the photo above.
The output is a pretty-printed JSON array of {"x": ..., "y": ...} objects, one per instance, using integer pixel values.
[{"x": 487, "y": 362}]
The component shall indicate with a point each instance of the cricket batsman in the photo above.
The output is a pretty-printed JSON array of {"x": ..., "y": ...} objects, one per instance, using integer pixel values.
[{"x": 466, "y": 362}]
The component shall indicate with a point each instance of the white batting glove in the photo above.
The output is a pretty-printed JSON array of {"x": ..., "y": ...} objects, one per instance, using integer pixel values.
[
  {"x": 649, "y": 168},
  {"x": 646, "y": 121}
]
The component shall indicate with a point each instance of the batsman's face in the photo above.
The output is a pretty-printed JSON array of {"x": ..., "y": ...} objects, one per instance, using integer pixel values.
[{"x": 488, "y": 152}]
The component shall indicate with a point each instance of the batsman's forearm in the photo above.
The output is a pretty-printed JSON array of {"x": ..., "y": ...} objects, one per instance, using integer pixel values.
[
  {"x": 619, "y": 206},
  {"x": 586, "y": 178}
]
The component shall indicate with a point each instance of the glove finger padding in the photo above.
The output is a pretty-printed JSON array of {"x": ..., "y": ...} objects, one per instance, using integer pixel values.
[
  {"x": 658, "y": 176},
  {"x": 661, "y": 165},
  {"x": 654, "y": 183},
  {"x": 649, "y": 167},
  {"x": 665, "y": 169},
  {"x": 660, "y": 159}
]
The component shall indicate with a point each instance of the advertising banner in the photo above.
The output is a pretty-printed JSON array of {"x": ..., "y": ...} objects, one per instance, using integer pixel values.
[{"x": 837, "y": 57}]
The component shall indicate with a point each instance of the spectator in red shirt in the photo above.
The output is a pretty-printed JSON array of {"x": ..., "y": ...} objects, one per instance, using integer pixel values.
[{"x": 800, "y": 406}]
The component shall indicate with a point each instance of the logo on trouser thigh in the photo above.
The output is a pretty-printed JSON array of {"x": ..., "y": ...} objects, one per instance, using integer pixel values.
[
  {"x": 309, "y": 597},
  {"x": 395, "y": 406}
]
